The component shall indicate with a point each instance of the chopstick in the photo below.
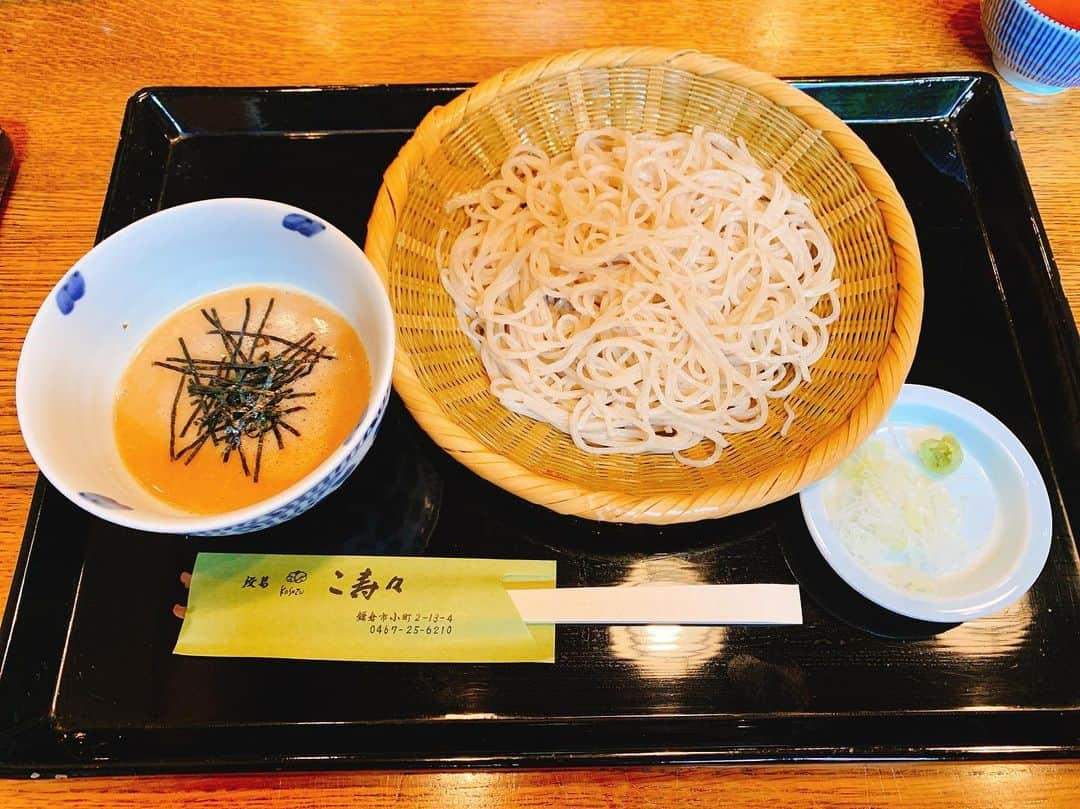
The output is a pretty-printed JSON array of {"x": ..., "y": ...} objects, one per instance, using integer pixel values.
[{"x": 704, "y": 604}]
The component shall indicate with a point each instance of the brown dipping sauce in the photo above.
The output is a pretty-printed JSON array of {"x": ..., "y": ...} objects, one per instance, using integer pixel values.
[{"x": 251, "y": 395}]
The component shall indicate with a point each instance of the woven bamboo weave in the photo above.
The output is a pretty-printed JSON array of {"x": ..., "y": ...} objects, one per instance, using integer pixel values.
[{"x": 439, "y": 375}]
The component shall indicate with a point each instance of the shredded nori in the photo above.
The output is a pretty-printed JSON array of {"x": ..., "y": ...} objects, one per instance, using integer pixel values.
[{"x": 244, "y": 394}]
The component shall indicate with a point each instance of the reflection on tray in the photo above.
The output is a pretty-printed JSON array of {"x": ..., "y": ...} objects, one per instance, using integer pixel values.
[{"x": 666, "y": 651}]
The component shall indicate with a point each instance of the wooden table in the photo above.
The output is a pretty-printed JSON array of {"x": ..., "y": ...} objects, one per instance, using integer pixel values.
[{"x": 66, "y": 70}]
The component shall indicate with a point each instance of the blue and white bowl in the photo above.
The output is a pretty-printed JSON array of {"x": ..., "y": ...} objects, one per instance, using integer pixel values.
[
  {"x": 95, "y": 318},
  {"x": 1030, "y": 50}
]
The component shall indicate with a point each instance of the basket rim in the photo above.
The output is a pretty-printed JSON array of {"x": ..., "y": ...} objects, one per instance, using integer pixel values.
[{"x": 775, "y": 483}]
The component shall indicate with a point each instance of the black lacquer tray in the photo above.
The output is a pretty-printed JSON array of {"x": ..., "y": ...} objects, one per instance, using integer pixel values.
[{"x": 89, "y": 683}]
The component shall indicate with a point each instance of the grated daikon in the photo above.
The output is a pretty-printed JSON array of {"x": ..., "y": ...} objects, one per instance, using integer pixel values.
[{"x": 891, "y": 514}]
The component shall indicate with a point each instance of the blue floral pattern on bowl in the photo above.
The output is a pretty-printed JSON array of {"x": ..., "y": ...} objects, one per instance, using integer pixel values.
[
  {"x": 70, "y": 291},
  {"x": 303, "y": 225},
  {"x": 321, "y": 489},
  {"x": 103, "y": 500}
]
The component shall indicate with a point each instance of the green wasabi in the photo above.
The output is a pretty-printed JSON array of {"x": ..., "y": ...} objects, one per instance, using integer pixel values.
[{"x": 941, "y": 455}]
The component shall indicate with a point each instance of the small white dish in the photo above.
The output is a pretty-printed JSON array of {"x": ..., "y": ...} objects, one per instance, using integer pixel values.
[
  {"x": 1004, "y": 510},
  {"x": 91, "y": 324}
]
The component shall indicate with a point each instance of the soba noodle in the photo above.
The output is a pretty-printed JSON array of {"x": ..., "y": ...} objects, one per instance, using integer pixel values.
[{"x": 642, "y": 293}]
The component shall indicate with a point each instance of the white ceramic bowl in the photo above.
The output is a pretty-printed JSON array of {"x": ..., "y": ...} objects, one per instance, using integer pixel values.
[
  {"x": 86, "y": 332},
  {"x": 1005, "y": 517}
]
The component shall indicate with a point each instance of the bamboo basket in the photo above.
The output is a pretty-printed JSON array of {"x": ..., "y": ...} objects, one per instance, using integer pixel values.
[{"x": 439, "y": 375}]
